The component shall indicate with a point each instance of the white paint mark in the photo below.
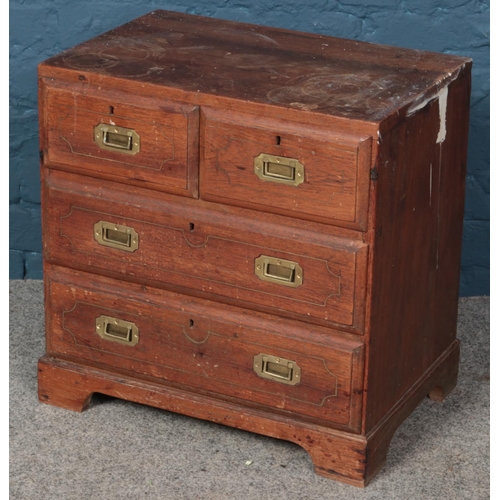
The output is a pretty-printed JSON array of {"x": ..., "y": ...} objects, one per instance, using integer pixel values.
[
  {"x": 112, "y": 122},
  {"x": 266, "y": 38},
  {"x": 443, "y": 103}
]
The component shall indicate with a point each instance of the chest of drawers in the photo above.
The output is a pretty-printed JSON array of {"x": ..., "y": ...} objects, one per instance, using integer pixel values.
[{"x": 254, "y": 226}]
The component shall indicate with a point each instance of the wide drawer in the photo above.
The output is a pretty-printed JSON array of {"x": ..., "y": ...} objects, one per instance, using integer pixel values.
[
  {"x": 291, "y": 169},
  {"x": 197, "y": 249},
  {"x": 213, "y": 348},
  {"x": 122, "y": 137}
]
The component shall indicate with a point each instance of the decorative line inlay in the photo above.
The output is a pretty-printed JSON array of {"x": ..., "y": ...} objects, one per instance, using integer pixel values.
[{"x": 192, "y": 340}]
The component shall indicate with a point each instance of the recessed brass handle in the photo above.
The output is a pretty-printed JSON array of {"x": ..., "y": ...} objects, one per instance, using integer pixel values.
[
  {"x": 117, "y": 330},
  {"x": 278, "y": 369},
  {"x": 118, "y": 139},
  {"x": 278, "y": 169},
  {"x": 116, "y": 236},
  {"x": 279, "y": 271}
]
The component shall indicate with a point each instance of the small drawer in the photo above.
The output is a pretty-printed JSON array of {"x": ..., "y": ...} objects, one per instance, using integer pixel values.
[
  {"x": 290, "y": 169},
  {"x": 250, "y": 262},
  {"x": 211, "y": 348},
  {"x": 122, "y": 137}
]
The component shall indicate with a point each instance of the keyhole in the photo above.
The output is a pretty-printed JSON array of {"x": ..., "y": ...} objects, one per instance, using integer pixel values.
[
  {"x": 191, "y": 323},
  {"x": 191, "y": 226},
  {"x": 278, "y": 140},
  {"x": 111, "y": 110}
]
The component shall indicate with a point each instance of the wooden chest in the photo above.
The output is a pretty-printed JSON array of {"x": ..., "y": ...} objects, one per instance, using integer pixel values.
[{"x": 253, "y": 226}]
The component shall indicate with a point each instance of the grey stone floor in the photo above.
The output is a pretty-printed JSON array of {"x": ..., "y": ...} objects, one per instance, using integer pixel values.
[{"x": 121, "y": 450}]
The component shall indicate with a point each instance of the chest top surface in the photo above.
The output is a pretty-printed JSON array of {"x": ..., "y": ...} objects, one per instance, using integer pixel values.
[{"x": 344, "y": 78}]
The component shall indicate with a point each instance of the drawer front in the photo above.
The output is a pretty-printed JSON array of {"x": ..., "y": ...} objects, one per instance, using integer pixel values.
[
  {"x": 209, "y": 347},
  {"x": 274, "y": 166},
  {"x": 124, "y": 138},
  {"x": 247, "y": 262}
]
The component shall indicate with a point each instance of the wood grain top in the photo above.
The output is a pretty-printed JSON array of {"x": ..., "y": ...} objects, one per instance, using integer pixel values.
[{"x": 344, "y": 78}]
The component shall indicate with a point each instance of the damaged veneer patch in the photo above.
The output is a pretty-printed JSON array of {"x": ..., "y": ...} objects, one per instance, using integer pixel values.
[{"x": 442, "y": 96}]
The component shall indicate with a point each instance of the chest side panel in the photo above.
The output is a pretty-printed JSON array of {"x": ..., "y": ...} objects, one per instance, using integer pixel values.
[{"x": 416, "y": 251}]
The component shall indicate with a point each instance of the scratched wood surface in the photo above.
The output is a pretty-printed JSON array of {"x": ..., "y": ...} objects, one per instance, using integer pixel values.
[
  {"x": 179, "y": 248},
  {"x": 219, "y": 58}
]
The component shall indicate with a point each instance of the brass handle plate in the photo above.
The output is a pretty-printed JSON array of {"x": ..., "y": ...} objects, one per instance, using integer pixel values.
[
  {"x": 116, "y": 236},
  {"x": 278, "y": 369},
  {"x": 118, "y": 139},
  {"x": 279, "y": 271},
  {"x": 117, "y": 330},
  {"x": 278, "y": 169}
]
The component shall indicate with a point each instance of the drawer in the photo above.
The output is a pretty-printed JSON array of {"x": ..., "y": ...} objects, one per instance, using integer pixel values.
[
  {"x": 211, "y": 348},
  {"x": 197, "y": 249},
  {"x": 290, "y": 169},
  {"x": 122, "y": 137}
]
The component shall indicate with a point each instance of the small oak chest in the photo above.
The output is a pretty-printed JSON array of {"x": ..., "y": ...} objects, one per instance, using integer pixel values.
[{"x": 254, "y": 226}]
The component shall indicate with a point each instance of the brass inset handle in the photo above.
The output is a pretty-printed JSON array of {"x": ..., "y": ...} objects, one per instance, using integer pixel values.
[
  {"x": 279, "y": 271},
  {"x": 118, "y": 139},
  {"x": 278, "y": 369},
  {"x": 278, "y": 169},
  {"x": 117, "y": 330},
  {"x": 116, "y": 236}
]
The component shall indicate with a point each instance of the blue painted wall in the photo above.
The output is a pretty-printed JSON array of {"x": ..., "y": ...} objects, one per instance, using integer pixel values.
[{"x": 42, "y": 28}]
